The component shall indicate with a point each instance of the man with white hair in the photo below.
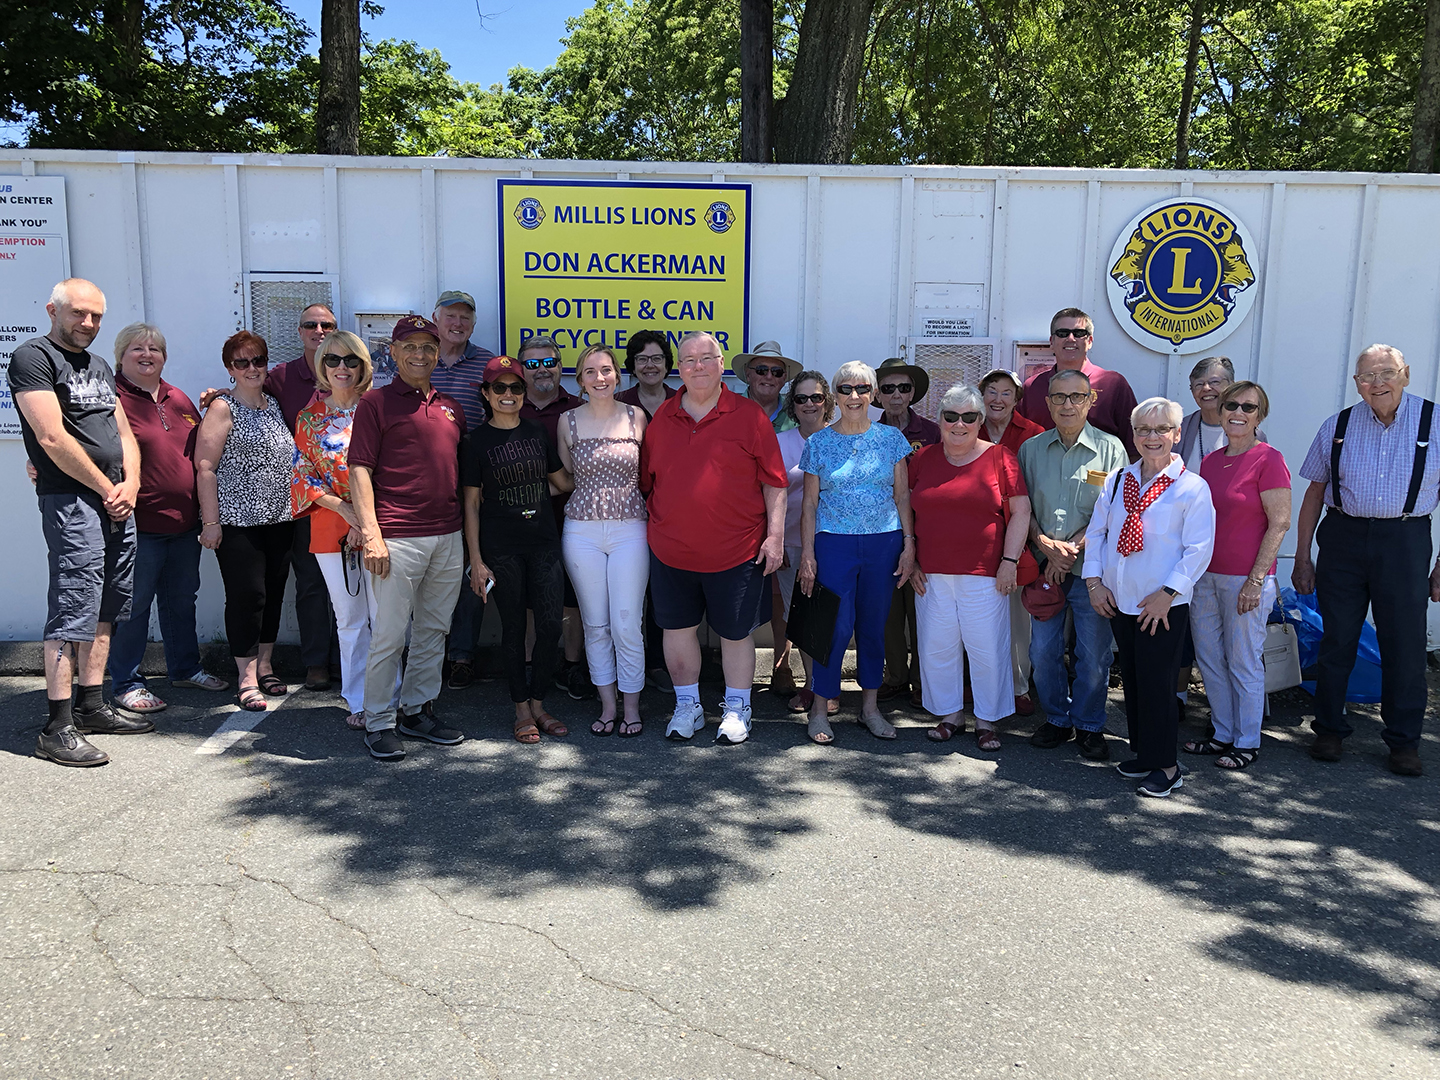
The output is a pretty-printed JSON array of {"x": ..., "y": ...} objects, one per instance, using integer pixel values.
[
  {"x": 1370, "y": 466},
  {"x": 87, "y": 467},
  {"x": 716, "y": 486}
]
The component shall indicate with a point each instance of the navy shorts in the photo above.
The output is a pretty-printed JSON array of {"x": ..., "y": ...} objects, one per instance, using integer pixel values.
[
  {"x": 730, "y": 600},
  {"x": 92, "y": 565}
]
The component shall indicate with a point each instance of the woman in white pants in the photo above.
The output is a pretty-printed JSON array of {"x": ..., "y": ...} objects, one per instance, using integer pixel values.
[
  {"x": 1250, "y": 487},
  {"x": 320, "y": 488},
  {"x": 963, "y": 491},
  {"x": 604, "y": 540}
]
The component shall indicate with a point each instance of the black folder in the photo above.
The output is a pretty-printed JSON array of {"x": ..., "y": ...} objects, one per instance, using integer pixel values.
[{"x": 812, "y": 620}]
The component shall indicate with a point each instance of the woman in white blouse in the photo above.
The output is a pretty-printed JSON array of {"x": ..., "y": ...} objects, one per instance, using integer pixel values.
[{"x": 1149, "y": 540}]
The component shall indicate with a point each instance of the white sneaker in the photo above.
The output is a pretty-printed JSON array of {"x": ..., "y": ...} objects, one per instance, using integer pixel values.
[
  {"x": 688, "y": 719},
  {"x": 734, "y": 723}
]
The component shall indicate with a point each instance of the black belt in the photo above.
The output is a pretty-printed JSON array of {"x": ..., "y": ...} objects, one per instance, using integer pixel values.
[{"x": 1357, "y": 517}]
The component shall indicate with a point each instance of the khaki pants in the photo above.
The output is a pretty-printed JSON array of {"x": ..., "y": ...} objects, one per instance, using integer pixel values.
[
  {"x": 423, "y": 585},
  {"x": 902, "y": 659}
]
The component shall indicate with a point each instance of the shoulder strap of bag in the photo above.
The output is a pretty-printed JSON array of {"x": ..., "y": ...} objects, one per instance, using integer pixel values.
[
  {"x": 1341, "y": 423},
  {"x": 1422, "y": 444}
]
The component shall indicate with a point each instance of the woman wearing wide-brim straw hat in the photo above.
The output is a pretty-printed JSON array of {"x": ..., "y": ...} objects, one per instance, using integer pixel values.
[{"x": 766, "y": 372}]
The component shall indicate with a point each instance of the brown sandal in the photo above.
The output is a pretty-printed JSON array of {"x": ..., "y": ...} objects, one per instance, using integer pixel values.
[
  {"x": 987, "y": 739},
  {"x": 526, "y": 731},
  {"x": 943, "y": 731},
  {"x": 552, "y": 727}
]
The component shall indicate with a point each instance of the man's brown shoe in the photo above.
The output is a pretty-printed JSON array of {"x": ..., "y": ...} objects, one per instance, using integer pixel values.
[
  {"x": 1406, "y": 762},
  {"x": 1326, "y": 747},
  {"x": 891, "y": 691}
]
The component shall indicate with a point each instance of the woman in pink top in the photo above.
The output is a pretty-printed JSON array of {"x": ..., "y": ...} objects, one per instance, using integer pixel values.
[{"x": 1250, "y": 486}]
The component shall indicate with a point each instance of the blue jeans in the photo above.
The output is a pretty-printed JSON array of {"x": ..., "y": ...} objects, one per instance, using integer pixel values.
[
  {"x": 167, "y": 571},
  {"x": 1082, "y": 706},
  {"x": 861, "y": 568}
]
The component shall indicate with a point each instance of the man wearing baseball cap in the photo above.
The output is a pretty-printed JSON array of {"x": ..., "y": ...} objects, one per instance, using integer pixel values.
[
  {"x": 405, "y": 484},
  {"x": 459, "y": 373}
]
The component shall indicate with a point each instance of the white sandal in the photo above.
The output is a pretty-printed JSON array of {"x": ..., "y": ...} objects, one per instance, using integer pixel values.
[{"x": 140, "y": 700}]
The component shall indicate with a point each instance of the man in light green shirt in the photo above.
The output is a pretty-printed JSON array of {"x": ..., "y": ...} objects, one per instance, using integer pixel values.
[{"x": 1065, "y": 470}]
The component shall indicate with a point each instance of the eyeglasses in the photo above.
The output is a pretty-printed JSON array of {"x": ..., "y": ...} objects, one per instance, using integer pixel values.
[
  {"x": 765, "y": 369},
  {"x": 1368, "y": 377},
  {"x": 858, "y": 390},
  {"x": 1146, "y": 432},
  {"x": 896, "y": 388},
  {"x": 410, "y": 349},
  {"x": 507, "y": 387},
  {"x": 1248, "y": 406},
  {"x": 312, "y": 324},
  {"x": 1064, "y": 332},
  {"x": 1079, "y": 397},
  {"x": 241, "y": 363},
  {"x": 1217, "y": 383},
  {"x": 809, "y": 399},
  {"x": 348, "y": 361},
  {"x": 950, "y": 416},
  {"x": 541, "y": 361},
  {"x": 650, "y": 358}
]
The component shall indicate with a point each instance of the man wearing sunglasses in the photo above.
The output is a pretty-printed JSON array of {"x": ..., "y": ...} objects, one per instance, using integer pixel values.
[
  {"x": 1373, "y": 467},
  {"x": 766, "y": 372},
  {"x": 1072, "y": 332}
]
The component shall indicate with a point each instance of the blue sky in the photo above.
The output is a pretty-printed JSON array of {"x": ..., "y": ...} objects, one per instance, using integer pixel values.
[{"x": 515, "y": 32}]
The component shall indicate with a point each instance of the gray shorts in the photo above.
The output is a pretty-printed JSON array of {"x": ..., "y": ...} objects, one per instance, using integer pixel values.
[{"x": 92, "y": 565}]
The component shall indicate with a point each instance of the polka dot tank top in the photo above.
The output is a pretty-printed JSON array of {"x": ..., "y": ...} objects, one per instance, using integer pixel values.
[{"x": 607, "y": 476}]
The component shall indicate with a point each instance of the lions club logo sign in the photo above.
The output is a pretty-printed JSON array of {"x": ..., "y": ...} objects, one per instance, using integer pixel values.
[
  {"x": 719, "y": 217},
  {"x": 529, "y": 213},
  {"x": 1180, "y": 278}
]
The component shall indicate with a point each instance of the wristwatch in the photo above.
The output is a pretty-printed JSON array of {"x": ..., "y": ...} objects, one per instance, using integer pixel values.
[{"x": 1169, "y": 591}]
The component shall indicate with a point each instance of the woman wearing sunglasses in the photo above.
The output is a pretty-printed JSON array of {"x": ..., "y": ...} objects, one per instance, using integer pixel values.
[
  {"x": 972, "y": 515},
  {"x": 1250, "y": 487},
  {"x": 320, "y": 490},
  {"x": 855, "y": 539},
  {"x": 244, "y": 458},
  {"x": 1150, "y": 537}
]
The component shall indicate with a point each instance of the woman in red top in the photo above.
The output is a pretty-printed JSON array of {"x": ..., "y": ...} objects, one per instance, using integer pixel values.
[{"x": 962, "y": 490}]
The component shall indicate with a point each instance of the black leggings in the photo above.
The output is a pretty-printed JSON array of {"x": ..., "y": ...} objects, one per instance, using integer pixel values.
[
  {"x": 254, "y": 563},
  {"x": 535, "y": 581},
  {"x": 1149, "y": 668}
]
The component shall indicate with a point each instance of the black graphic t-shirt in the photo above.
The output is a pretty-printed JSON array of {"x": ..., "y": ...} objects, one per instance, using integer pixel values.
[
  {"x": 511, "y": 468},
  {"x": 85, "y": 387}
]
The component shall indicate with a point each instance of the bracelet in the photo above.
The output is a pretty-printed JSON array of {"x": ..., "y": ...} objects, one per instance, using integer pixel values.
[
  {"x": 908, "y": 536},
  {"x": 210, "y": 523},
  {"x": 1007, "y": 558},
  {"x": 1093, "y": 585}
]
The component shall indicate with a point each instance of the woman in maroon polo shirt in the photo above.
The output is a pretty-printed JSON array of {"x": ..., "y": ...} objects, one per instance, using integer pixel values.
[{"x": 167, "y": 557}]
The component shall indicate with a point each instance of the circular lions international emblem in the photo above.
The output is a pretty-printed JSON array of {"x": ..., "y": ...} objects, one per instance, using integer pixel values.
[
  {"x": 1180, "y": 278},
  {"x": 719, "y": 217},
  {"x": 529, "y": 213}
]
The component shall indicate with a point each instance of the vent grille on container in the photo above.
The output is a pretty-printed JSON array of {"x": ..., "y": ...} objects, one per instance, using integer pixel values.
[
  {"x": 275, "y": 307},
  {"x": 949, "y": 361}
]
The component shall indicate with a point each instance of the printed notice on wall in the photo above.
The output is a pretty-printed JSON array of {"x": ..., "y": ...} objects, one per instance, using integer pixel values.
[
  {"x": 590, "y": 263},
  {"x": 34, "y": 255}
]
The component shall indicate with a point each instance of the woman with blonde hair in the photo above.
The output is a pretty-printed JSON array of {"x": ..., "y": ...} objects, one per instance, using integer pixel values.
[{"x": 320, "y": 489}]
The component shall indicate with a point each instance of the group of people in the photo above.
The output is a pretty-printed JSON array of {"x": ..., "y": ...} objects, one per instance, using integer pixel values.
[{"x": 1031, "y": 532}]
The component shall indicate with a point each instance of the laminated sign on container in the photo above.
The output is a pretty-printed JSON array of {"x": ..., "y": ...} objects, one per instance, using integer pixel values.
[{"x": 34, "y": 255}]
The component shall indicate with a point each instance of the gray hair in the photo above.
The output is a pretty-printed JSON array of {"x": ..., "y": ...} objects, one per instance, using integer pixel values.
[
  {"x": 1213, "y": 361},
  {"x": 853, "y": 372},
  {"x": 138, "y": 331},
  {"x": 60, "y": 294},
  {"x": 1389, "y": 350},
  {"x": 1171, "y": 410},
  {"x": 963, "y": 398},
  {"x": 696, "y": 335},
  {"x": 538, "y": 341},
  {"x": 1067, "y": 373}
]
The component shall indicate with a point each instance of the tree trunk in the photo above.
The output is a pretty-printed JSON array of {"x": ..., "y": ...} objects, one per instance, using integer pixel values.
[
  {"x": 757, "y": 79},
  {"x": 124, "y": 22},
  {"x": 337, "y": 118},
  {"x": 1425, "y": 128},
  {"x": 1187, "y": 92},
  {"x": 817, "y": 120}
]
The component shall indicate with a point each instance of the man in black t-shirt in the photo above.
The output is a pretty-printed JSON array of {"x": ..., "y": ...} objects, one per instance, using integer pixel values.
[{"x": 87, "y": 466}]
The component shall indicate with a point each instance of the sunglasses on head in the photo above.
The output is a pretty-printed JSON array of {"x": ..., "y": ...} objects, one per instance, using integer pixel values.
[
  {"x": 896, "y": 388},
  {"x": 1247, "y": 406},
  {"x": 845, "y": 389},
  {"x": 950, "y": 416},
  {"x": 312, "y": 324},
  {"x": 507, "y": 387},
  {"x": 1064, "y": 332},
  {"x": 540, "y": 361},
  {"x": 348, "y": 361},
  {"x": 809, "y": 399},
  {"x": 765, "y": 369},
  {"x": 240, "y": 363}
]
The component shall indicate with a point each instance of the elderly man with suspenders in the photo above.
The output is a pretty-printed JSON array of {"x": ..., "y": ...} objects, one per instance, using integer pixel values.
[{"x": 1370, "y": 465}]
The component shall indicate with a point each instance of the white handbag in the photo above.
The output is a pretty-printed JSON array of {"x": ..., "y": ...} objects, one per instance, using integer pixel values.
[{"x": 1282, "y": 657}]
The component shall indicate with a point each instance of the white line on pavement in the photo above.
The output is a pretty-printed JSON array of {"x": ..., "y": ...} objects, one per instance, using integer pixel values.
[{"x": 240, "y": 724}]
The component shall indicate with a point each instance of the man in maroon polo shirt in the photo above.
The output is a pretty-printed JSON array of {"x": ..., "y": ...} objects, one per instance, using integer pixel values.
[
  {"x": 1072, "y": 333},
  {"x": 716, "y": 485},
  {"x": 405, "y": 483},
  {"x": 293, "y": 385}
]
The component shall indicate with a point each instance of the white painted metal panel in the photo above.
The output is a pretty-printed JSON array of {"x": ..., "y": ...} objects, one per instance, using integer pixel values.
[
  {"x": 284, "y": 220},
  {"x": 859, "y": 220}
]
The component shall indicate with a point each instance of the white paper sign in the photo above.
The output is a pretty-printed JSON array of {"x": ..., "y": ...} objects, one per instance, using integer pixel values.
[{"x": 34, "y": 255}]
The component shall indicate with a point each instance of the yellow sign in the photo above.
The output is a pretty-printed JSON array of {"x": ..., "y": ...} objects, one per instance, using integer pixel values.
[{"x": 592, "y": 262}]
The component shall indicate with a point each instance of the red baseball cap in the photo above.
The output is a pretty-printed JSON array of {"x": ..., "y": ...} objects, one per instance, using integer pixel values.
[
  {"x": 410, "y": 325},
  {"x": 501, "y": 365}
]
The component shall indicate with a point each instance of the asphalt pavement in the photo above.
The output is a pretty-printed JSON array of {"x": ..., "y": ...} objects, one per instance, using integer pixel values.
[{"x": 220, "y": 902}]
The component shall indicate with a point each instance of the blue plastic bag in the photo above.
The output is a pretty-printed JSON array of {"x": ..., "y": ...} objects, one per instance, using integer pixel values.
[{"x": 1302, "y": 612}]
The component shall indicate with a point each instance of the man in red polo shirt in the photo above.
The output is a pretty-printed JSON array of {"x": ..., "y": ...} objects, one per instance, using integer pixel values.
[
  {"x": 1072, "y": 333},
  {"x": 716, "y": 484},
  {"x": 405, "y": 483}
]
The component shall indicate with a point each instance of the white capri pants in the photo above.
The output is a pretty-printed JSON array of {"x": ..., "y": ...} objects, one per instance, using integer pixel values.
[
  {"x": 609, "y": 566},
  {"x": 963, "y": 615},
  {"x": 1230, "y": 649},
  {"x": 352, "y": 622}
]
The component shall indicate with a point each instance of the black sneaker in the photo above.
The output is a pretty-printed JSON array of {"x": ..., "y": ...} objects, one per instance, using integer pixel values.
[
  {"x": 68, "y": 747},
  {"x": 424, "y": 725},
  {"x": 578, "y": 684},
  {"x": 1048, "y": 736},
  {"x": 105, "y": 721},
  {"x": 384, "y": 745},
  {"x": 462, "y": 674},
  {"x": 1092, "y": 745},
  {"x": 1159, "y": 786}
]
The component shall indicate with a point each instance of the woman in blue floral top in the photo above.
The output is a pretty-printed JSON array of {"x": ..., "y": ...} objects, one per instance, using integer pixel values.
[{"x": 855, "y": 539}]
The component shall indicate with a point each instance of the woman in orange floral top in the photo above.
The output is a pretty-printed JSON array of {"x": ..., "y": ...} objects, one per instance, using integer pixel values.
[{"x": 320, "y": 488}]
